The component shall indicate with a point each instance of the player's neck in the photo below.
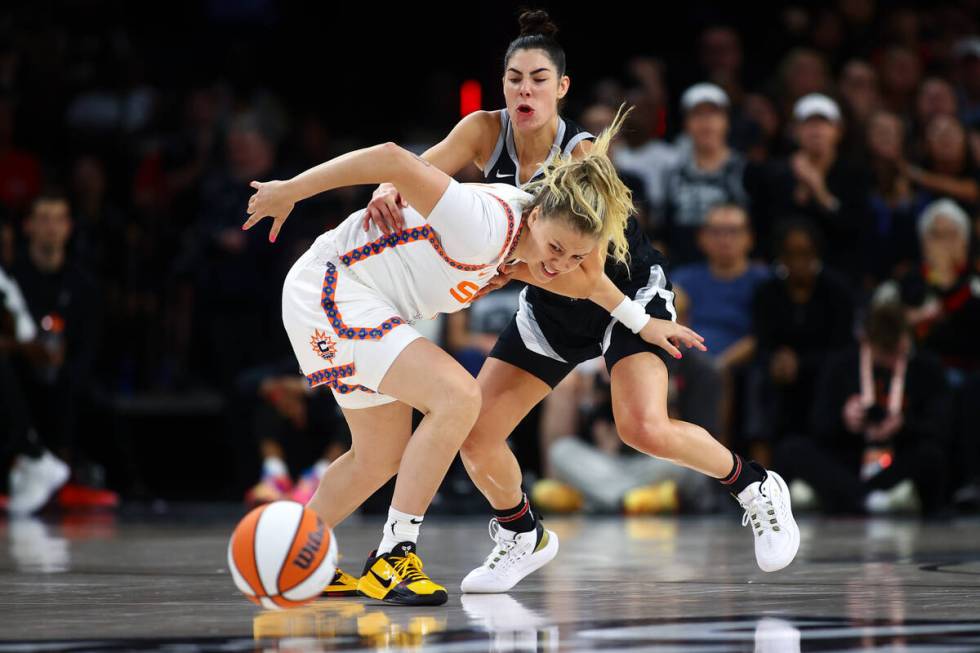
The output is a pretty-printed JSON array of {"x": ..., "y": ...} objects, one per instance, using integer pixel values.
[
  {"x": 523, "y": 237},
  {"x": 536, "y": 145}
]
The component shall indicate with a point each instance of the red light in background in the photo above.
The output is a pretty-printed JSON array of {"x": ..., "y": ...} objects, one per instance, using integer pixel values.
[
  {"x": 470, "y": 97},
  {"x": 885, "y": 461}
]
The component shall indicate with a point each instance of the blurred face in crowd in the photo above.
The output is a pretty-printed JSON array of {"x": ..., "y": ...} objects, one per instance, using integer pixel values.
[
  {"x": 859, "y": 88},
  {"x": 945, "y": 235},
  {"x": 886, "y": 136},
  {"x": 901, "y": 71},
  {"x": 532, "y": 89},
  {"x": 799, "y": 255},
  {"x": 707, "y": 125},
  {"x": 721, "y": 53},
  {"x": 597, "y": 117},
  {"x": 250, "y": 153},
  {"x": 946, "y": 142},
  {"x": 936, "y": 98},
  {"x": 805, "y": 72},
  {"x": 726, "y": 238},
  {"x": 818, "y": 136},
  {"x": 49, "y": 225},
  {"x": 88, "y": 179}
]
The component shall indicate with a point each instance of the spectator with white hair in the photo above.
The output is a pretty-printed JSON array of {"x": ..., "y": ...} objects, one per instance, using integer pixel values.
[{"x": 943, "y": 297}]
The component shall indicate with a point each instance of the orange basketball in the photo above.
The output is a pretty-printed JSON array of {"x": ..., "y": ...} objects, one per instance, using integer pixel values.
[{"x": 281, "y": 555}]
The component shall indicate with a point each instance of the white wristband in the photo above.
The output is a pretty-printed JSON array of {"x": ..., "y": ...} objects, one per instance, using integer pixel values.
[{"x": 632, "y": 314}]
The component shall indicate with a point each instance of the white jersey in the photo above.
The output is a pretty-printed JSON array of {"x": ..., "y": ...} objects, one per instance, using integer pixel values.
[{"x": 435, "y": 265}]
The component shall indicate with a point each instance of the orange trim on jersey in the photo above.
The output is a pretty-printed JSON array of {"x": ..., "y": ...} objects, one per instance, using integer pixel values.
[
  {"x": 342, "y": 329},
  {"x": 331, "y": 377},
  {"x": 428, "y": 233}
]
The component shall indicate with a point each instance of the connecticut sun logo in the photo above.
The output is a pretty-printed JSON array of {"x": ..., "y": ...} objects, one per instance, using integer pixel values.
[{"x": 323, "y": 345}]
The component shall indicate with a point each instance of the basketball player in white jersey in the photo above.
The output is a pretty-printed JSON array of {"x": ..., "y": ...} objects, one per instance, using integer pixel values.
[
  {"x": 551, "y": 334},
  {"x": 349, "y": 303}
]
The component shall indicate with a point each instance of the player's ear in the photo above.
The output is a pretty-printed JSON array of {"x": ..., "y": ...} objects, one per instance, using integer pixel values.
[
  {"x": 563, "y": 84},
  {"x": 532, "y": 217}
]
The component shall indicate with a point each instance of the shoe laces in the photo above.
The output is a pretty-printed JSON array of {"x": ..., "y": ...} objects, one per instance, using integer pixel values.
[
  {"x": 408, "y": 567},
  {"x": 761, "y": 512},
  {"x": 502, "y": 548}
]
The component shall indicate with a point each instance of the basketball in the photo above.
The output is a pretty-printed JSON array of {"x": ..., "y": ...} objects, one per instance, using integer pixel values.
[{"x": 281, "y": 555}]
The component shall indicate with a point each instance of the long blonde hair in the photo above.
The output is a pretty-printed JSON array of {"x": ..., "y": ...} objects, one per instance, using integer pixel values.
[{"x": 588, "y": 193}]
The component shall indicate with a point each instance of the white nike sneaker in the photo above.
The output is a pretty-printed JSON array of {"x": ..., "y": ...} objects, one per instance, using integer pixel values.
[
  {"x": 767, "y": 507},
  {"x": 514, "y": 556},
  {"x": 33, "y": 481}
]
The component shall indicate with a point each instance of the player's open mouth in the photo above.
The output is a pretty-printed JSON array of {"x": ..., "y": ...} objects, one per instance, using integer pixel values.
[
  {"x": 525, "y": 109},
  {"x": 548, "y": 273}
]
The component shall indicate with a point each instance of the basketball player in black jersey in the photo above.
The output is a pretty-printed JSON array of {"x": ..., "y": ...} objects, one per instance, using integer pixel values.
[{"x": 551, "y": 334}]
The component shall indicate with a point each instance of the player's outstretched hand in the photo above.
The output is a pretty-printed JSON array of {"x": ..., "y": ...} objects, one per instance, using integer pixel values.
[
  {"x": 671, "y": 335},
  {"x": 271, "y": 199},
  {"x": 385, "y": 209}
]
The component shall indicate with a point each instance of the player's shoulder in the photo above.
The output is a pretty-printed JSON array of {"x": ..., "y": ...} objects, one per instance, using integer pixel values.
[{"x": 506, "y": 191}]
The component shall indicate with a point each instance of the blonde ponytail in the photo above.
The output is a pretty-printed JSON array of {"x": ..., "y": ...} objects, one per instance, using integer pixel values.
[{"x": 588, "y": 193}]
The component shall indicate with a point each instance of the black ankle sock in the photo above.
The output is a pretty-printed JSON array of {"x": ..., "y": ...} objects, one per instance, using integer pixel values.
[
  {"x": 519, "y": 519},
  {"x": 743, "y": 474}
]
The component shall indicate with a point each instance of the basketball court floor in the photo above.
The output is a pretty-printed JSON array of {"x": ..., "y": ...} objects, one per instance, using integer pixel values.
[{"x": 160, "y": 583}]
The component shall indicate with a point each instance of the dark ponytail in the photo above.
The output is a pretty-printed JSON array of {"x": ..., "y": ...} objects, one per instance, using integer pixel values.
[{"x": 537, "y": 33}]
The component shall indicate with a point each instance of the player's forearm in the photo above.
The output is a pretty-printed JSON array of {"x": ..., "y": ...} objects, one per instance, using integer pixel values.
[
  {"x": 606, "y": 294},
  {"x": 370, "y": 165}
]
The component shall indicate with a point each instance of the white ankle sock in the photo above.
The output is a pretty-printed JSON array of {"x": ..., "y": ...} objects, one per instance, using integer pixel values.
[{"x": 401, "y": 527}]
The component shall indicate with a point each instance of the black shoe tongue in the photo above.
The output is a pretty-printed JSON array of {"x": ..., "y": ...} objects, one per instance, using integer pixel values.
[{"x": 403, "y": 549}]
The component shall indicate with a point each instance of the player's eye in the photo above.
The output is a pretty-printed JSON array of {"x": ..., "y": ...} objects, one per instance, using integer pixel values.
[
  {"x": 555, "y": 248},
  {"x": 578, "y": 257}
]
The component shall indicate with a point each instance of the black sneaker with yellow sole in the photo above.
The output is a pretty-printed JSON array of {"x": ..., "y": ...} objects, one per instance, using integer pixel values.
[
  {"x": 397, "y": 578},
  {"x": 342, "y": 584}
]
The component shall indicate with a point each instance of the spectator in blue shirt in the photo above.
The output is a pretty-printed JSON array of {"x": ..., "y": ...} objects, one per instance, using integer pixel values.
[{"x": 720, "y": 290}]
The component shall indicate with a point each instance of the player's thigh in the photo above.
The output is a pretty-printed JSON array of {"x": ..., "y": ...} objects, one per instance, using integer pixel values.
[
  {"x": 427, "y": 378},
  {"x": 509, "y": 393}
]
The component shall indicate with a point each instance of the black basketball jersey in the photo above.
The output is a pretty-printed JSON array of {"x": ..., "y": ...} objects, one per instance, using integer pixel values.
[
  {"x": 503, "y": 166},
  {"x": 580, "y": 316}
]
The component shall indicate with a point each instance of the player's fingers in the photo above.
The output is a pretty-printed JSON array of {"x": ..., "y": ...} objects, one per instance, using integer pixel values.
[
  {"x": 670, "y": 348},
  {"x": 385, "y": 218},
  {"x": 252, "y": 219},
  {"x": 402, "y": 201},
  {"x": 397, "y": 219},
  {"x": 255, "y": 184},
  {"x": 274, "y": 232},
  {"x": 366, "y": 220}
]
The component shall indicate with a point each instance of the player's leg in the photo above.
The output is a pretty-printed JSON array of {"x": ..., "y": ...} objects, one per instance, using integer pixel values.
[
  {"x": 430, "y": 380},
  {"x": 378, "y": 438},
  {"x": 639, "y": 397},
  {"x": 512, "y": 381}
]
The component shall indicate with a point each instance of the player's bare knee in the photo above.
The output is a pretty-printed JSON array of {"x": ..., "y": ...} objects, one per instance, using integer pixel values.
[
  {"x": 461, "y": 398},
  {"x": 646, "y": 433}
]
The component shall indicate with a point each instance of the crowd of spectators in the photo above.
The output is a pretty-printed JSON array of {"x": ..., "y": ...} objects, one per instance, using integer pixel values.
[{"x": 820, "y": 210}]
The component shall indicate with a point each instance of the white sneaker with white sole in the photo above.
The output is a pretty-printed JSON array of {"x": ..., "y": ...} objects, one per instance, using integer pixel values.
[
  {"x": 33, "y": 481},
  {"x": 767, "y": 508},
  {"x": 514, "y": 556}
]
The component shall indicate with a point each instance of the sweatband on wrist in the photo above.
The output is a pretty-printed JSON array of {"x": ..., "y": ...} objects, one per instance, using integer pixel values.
[{"x": 631, "y": 314}]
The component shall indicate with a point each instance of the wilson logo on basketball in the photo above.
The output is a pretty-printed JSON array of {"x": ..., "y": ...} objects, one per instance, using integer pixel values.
[{"x": 307, "y": 554}]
